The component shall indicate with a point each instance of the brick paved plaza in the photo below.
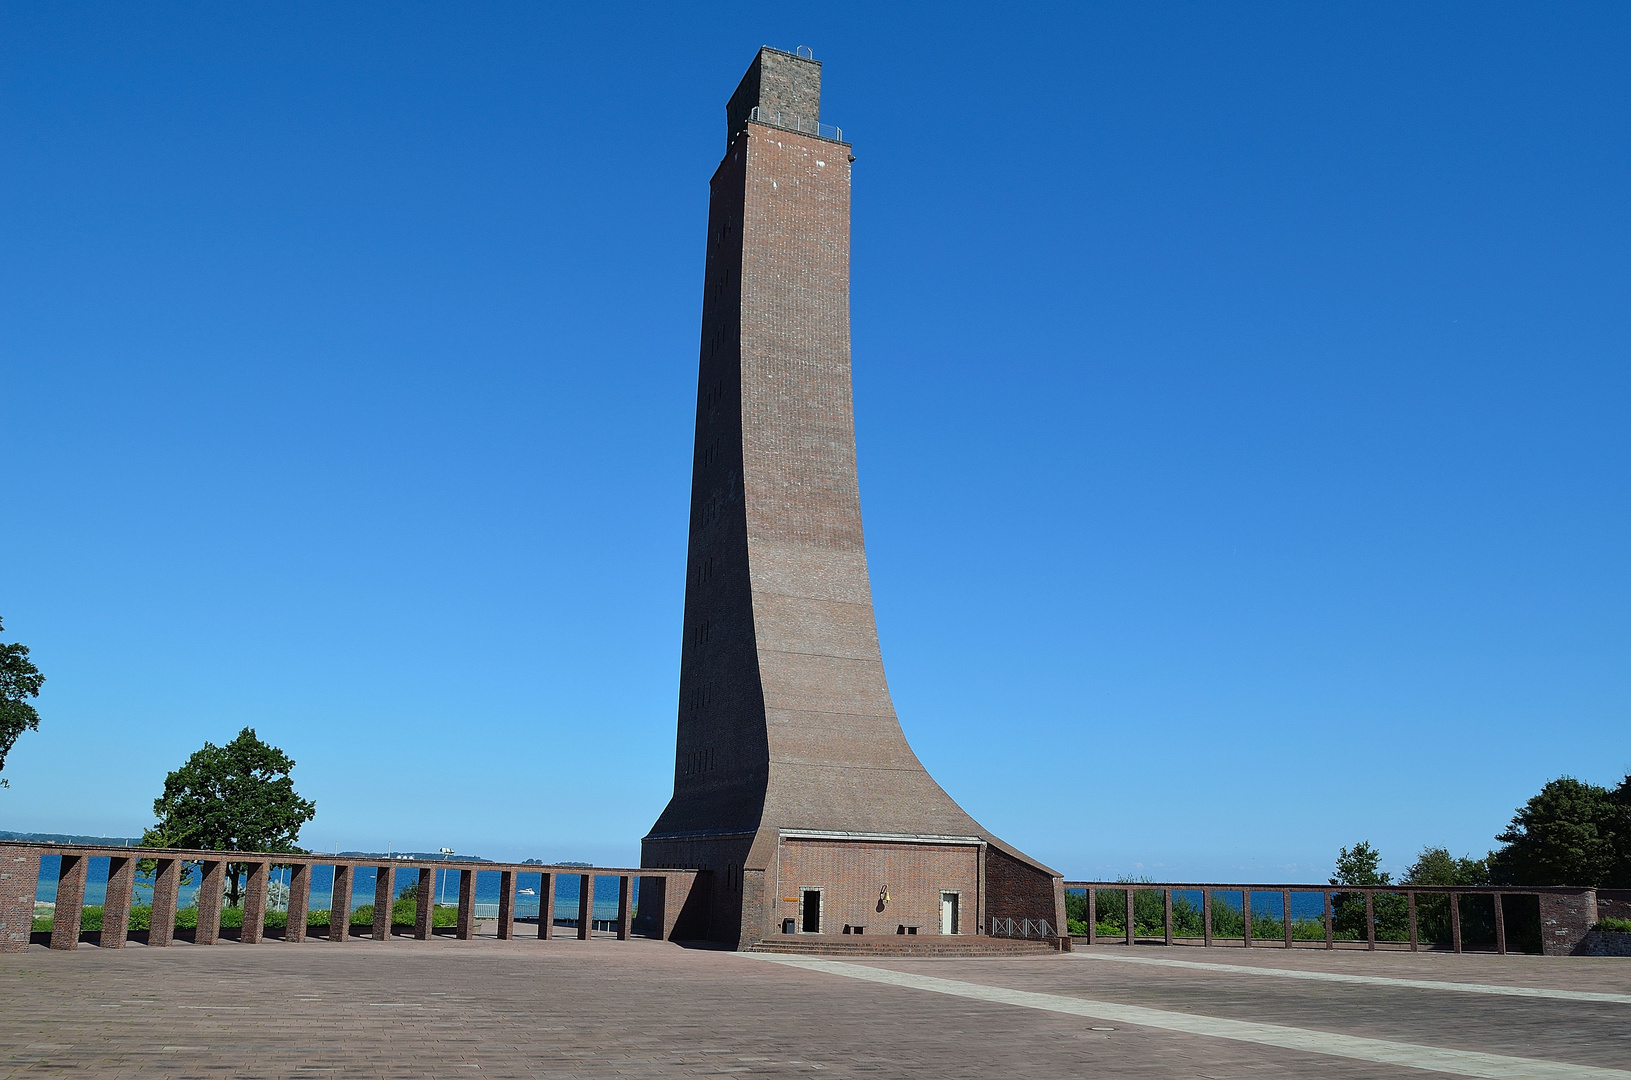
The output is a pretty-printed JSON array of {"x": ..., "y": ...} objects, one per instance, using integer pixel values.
[{"x": 646, "y": 1008}]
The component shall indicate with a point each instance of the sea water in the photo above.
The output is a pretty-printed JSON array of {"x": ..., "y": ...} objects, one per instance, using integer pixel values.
[{"x": 363, "y": 880}]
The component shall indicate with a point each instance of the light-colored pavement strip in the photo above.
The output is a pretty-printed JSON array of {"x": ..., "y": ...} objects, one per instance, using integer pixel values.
[
  {"x": 1381, "y": 1051},
  {"x": 1371, "y": 980}
]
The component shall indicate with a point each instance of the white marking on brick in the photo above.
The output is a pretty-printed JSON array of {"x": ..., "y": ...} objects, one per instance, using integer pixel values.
[
  {"x": 1370, "y": 980},
  {"x": 1384, "y": 1051}
]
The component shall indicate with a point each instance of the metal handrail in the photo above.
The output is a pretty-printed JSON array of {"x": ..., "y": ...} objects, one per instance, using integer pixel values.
[{"x": 791, "y": 122}]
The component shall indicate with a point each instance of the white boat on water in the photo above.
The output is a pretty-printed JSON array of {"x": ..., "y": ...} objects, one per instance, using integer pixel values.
[{"x": 526, "y": 892}]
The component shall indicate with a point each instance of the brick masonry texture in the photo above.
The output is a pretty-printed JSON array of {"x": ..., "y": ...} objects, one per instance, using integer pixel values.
[
  {"x": 254, "y": 887},
  {"x": 166, "y": 886},
  {"x": 384, "y": 893},
  {"x": 1564, "y": 921},
  {"x": 785, "y": 718},
  {"x": 116, "y": 904},
  {"x": 851, "y": 875},
  {"x": 19, "y": 882},
  {"x": 70, "y": 901}
]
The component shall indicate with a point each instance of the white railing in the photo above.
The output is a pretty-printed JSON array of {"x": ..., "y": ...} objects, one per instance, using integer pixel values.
[
  {"x": 1021, "y": 928},
  {"x": 777, "y": 118}
]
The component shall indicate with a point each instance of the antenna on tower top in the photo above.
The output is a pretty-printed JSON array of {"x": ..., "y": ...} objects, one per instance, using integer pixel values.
[{"x": 804, "y": 51}]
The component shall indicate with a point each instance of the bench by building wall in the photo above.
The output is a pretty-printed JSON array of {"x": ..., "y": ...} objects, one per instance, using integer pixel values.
[{"x": 665, "y": 896}]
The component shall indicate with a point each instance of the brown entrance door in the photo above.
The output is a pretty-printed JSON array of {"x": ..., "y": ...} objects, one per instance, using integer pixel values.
[{"x": 812, "y": 911}]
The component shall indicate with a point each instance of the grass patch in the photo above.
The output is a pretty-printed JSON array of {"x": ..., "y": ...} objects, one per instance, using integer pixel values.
[
  {"x": 141, "y": 917},
  {"x": 1613, "y": 926}
]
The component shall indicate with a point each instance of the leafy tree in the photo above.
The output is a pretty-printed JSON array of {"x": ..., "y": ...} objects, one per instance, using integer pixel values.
[
  {"x": 1572, "y": 833},
  {"x": 1436, "y": 866},
  {"x": 19, "y": 681},
  {"x": 1361, "y": 865},
  {"x": 237, "y": 797}
]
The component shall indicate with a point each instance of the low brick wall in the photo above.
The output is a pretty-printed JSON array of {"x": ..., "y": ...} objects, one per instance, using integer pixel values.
[{"x": 1605, "y": 943}]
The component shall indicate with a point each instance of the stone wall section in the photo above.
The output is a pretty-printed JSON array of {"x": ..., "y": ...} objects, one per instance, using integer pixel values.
[{"x": 1565, "y": 921}]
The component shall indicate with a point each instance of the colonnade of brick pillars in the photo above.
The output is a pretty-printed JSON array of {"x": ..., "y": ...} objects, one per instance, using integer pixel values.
[
  {"x": 20, "y": 869},
  {"x": 1566, "y": 914}
]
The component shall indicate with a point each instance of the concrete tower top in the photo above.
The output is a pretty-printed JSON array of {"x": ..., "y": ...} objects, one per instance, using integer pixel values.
[{"x": 776, "y": 82}]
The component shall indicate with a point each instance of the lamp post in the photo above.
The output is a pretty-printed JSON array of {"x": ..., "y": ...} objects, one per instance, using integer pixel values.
[{"x": 445, "y": 853}]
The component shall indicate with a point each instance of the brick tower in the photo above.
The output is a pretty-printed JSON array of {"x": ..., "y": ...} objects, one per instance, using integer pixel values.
[{"x": 793, "y": 783}]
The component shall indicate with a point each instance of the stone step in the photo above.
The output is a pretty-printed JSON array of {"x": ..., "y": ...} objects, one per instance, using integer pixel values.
[{"x": 899, "y": 945}]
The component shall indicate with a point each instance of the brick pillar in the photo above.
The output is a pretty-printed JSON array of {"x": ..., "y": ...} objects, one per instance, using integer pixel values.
[
  {"x": 70, "y": 901},
  {"x": 1455, "y": 921},
  {"x": 1564, "y": 920},
  {"x": 209, "y": 902},
  {"x": 1285, "y": 913},
  {"x": 384, "y": 894},
  {"x": 19, "y": 884},
  {"x": 649, "y": 893},
  {"x": 1130, "y": 910},
  {"x": 467, "y": 905},
  {"x": 166, "y": 884},
  {"x": 116, "y": 903},
  {"x": 1246, "y": 914},
  {"x": 255, "y": 879},
  {"x": 424, "y": 925},
  {"x": 1410, "y": 906},
  {"x": 299, "y": 902},
  {"x": 1500, "y": 923},
  {"x": 546, "y": 906},
  {"x": 506, "y": 905},
  {"x": 1092, "y": 917},
  {"x": 1370, "y": 921},
  {"x": 1166, "y": 899},
  {"x": 1330, "y": 927},
  {"x": 339, "y": 908},
  {"x": 624, "y": 908},
  {"x": 1206, "y": 917},
  {"x": 586, "y": 905}
]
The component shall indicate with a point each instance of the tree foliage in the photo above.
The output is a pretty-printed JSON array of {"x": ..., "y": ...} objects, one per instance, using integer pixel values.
[
  {"x": 237, "y": 797},
  {"x": 1571, "y": 833},
  {"x": 1360, "y": 866},
  {"x": 1436, "y": 866},
  {"x": 19, "y": 681}
]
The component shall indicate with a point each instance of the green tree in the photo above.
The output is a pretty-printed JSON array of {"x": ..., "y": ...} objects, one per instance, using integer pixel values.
[
  {"x": 19, "y": 681},
  {"x": 1361, "y": 865},
  {"x": 1436, "y": 866},
  {"x": 237, "y": 797},
  {"x": 1572, "y": 833}
]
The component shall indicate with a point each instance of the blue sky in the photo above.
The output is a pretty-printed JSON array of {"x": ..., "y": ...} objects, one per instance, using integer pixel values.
[{"x": 1241, "y": 395}]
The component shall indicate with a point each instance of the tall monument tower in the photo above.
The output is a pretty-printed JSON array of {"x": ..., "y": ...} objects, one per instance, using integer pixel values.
[{"x": 793, "y": 783}]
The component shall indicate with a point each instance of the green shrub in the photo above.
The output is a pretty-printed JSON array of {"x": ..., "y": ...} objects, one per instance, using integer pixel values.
[{"x": 1614, "y": 926}]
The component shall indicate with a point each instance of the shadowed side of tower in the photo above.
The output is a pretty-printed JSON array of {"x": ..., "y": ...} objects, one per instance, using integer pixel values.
[{"x": 793, "y": 783}]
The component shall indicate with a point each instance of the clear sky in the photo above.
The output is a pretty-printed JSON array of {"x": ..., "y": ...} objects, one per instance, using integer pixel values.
[{"x": 1242, "y": 395}]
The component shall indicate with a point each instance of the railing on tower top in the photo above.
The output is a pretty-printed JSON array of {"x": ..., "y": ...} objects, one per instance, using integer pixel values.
[{"x": 790, "y": 122}]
